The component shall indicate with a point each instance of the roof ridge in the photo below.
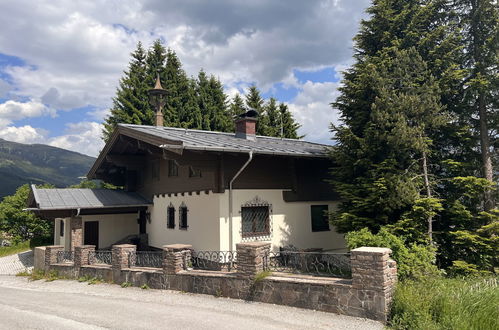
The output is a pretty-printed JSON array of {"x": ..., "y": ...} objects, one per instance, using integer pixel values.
[{"x": 274, "y": 138}]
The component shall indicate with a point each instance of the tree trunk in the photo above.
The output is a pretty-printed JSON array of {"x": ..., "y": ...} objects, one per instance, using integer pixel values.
[
  {"x": 428, "y": 194},
  {"x": 485, "y": 150}
]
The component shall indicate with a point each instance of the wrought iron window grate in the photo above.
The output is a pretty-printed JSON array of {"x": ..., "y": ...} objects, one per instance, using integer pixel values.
[
  {"x": 100, "y": 258},
  {"x": 152, "y": 259},
  {"x": 65, "y": 257},
  {"x": 313, "y": 263},
  {"x": 170, "y": 217},
  {"x": 215, "y": 260},
  {"x": 182, "y": 216}
]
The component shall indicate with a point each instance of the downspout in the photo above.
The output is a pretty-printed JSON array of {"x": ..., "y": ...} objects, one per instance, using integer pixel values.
[{"x": 230, "y": 196}]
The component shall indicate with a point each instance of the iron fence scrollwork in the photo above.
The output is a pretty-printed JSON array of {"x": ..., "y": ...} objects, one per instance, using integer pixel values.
[
  {"x": 100, "y": 258},
  {"x": 151, "y": 259},
  {"x": 215, "y": 260},
  {"x": 65, "y": 257},
  {"x": 313, "y": 263}
]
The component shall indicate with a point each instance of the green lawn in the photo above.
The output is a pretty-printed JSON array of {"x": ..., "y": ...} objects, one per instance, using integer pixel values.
[
  {"x": 447, "y": 303},
  {"x": 14, "y": 249}
]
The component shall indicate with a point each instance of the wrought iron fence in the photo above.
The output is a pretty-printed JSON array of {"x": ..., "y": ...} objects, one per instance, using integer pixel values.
[
  {"x": 314, "y": 263},
  {"x": 100, "y": 258},
  {"x": 215, "y": 260},
  {"x": 65, "y": 257},
  {"x": 153, "y": 259}
]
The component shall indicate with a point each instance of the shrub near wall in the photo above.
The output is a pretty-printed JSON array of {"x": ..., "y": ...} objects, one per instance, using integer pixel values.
[{"x": 447, "y": 303}]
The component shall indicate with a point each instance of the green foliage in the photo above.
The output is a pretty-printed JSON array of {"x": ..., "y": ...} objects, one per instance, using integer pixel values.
[
  {"x": 22, "y": 225},
  {"x": 423, "y": 87},
  {"x": 443, "y": 303},
  {"x": 14, "y": 249},
  {"x": 145, "y": 286},
  {"x": 413, "y": 261},
  {"x": 261, "y": 276},
  {"x": 126, "y": 284}
]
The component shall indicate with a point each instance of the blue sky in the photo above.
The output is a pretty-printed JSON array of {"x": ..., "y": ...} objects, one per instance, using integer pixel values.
[{"x": 60, "y": 61}]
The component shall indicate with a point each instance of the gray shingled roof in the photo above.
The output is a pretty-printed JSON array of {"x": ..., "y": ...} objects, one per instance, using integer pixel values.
[
  {"x": 227, "y": 142},
  {"x": 63, "y": 199}
]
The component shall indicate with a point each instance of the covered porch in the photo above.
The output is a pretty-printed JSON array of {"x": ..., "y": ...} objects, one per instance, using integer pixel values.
[{"x": 99, "y": 217}]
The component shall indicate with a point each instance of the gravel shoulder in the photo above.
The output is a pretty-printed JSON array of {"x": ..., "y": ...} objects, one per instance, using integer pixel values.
[{"x": 73, "y": 305}]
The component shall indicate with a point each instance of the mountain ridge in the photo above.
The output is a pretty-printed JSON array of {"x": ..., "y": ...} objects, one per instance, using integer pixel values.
[{"x": 39, "y": 163}]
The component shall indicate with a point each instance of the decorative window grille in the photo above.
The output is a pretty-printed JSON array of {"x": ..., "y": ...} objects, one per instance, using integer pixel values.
[
  {"x": 170, "y": 216},
  {"x": 255, "y": 216},
  {"x": 182, "y": 216},
  {"x": 320, "y": 221},
  {"x": 61, "y": 228},
  {"x": 194, "y": 173},
  {"x": 172, "y": 168}
]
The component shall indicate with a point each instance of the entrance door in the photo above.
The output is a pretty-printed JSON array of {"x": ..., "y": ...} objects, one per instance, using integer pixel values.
[{"x": 91, "y": 233}]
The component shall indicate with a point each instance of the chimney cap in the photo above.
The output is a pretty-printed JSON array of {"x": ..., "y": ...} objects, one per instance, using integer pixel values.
[{"x": 250, "y": 114}]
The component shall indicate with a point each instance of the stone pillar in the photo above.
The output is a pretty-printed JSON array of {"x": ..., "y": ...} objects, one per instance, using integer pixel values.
[
  {"x": 176, "y": 258},
  {"x": 76, "y": 227},
  {"x": 120, "y": 255},
  {"x": 374, "y": 275},
  {"x": 51, "y": 255},
  {"x": 251, "y": 258},
  {"x": 81, "y": 255}
]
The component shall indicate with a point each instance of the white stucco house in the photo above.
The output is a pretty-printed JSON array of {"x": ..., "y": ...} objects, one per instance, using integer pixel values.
[{"x": 208, "y": 189}]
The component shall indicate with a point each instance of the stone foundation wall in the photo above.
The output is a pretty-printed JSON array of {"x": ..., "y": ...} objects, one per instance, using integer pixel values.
[{"x": 368, "y": 294}]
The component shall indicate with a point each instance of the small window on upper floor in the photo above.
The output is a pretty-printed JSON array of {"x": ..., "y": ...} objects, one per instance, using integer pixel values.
[
  {"x": 194, "y": 173},
  {"x": 170, "y": 215},
  {"x": 172, "y": 168},
  {"x": 182, "y": 217},
  {"x": 61, "y": 228},
  {"x": 320, "y": 221},
  {"x": 155, "y": 170}
]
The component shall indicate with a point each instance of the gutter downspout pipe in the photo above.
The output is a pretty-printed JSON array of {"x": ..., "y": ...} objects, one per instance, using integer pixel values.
[{"x": 250, "y": 158}]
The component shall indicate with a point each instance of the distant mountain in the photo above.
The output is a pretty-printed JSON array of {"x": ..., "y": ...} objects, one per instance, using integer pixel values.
[{"x": 39, "y": 163}]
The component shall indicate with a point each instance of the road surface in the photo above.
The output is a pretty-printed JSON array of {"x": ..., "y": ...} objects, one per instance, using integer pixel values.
[{"x": 65, "y": 304}]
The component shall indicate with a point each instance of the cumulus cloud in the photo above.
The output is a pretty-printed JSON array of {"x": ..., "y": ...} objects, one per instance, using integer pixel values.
[
  {"x": 24, "y": 134},
  {"x": 14, "y": 110},
  {"x": 83, "y": 137},
  {"x": 311, "y": 108}
]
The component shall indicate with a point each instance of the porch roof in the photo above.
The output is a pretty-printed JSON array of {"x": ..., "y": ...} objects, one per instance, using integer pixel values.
[{"x": 73, "y": 199}]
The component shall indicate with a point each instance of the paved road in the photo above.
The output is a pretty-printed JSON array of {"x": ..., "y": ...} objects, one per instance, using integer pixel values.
[
  {"x": 11, "y": 265},
  {"x": 73, "y": 305}
]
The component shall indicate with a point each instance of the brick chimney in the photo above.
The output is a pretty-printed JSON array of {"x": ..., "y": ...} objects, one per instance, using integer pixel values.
[{"x": 246, "y": 125}]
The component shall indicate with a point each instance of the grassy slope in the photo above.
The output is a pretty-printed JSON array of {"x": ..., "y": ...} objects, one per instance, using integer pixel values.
[
  {"x": 38, "y": 163},
  {"x": 447, "y": 303},
  {"x": 14, "y": 249}
]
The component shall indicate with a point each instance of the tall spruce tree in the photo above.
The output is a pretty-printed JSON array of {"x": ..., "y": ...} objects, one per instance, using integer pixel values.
[
  {"x": 379, "y": 170},
  {"x": 289, "y": 125},
  {"x": 255, "y": 101},
  {"x": 130, "y": 105}
]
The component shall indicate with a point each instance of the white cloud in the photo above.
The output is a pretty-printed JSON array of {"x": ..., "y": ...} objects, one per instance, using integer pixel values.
[
  {"x": 312, "y": 109},
  {"x": 24, "y": 134},
  {"x": 83, "y": 137},
  {"x": 14, "y": 110}
]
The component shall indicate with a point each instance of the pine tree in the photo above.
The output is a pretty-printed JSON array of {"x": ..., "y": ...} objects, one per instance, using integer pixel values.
[
  {"x": 237, "y": 107},
  {"x": 130, "y": 105},
  {"x": 383, "y": 181},
  {"x": 273, "y": 127},
  {"x": 289, "y": 125},
  {"x": 255, "y": 102}
]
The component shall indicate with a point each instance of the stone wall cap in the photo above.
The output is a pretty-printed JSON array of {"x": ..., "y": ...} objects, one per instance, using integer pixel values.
[
  {"x": 125, "y": 246},
  {"x": 376, "y": 250},
  {"x": 177, "y": 246},
  {"x": 55, "y": 246},
  {"x": 85, "y": 246},
  {"x": 253, "y": 244}
]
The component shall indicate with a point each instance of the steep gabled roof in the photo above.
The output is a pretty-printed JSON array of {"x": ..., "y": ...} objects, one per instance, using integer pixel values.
[
  {"x": 178, "y": 139},
  {"x": 192, "y": 139}
]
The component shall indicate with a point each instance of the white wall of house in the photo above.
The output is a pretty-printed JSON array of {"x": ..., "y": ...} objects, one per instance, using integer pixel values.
[
  {"x": 64, "y": 240},
  {"x": 112, "y": 227},
  {"x": 291, "y": 223},
  {"x": 203, "y": 231}
]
